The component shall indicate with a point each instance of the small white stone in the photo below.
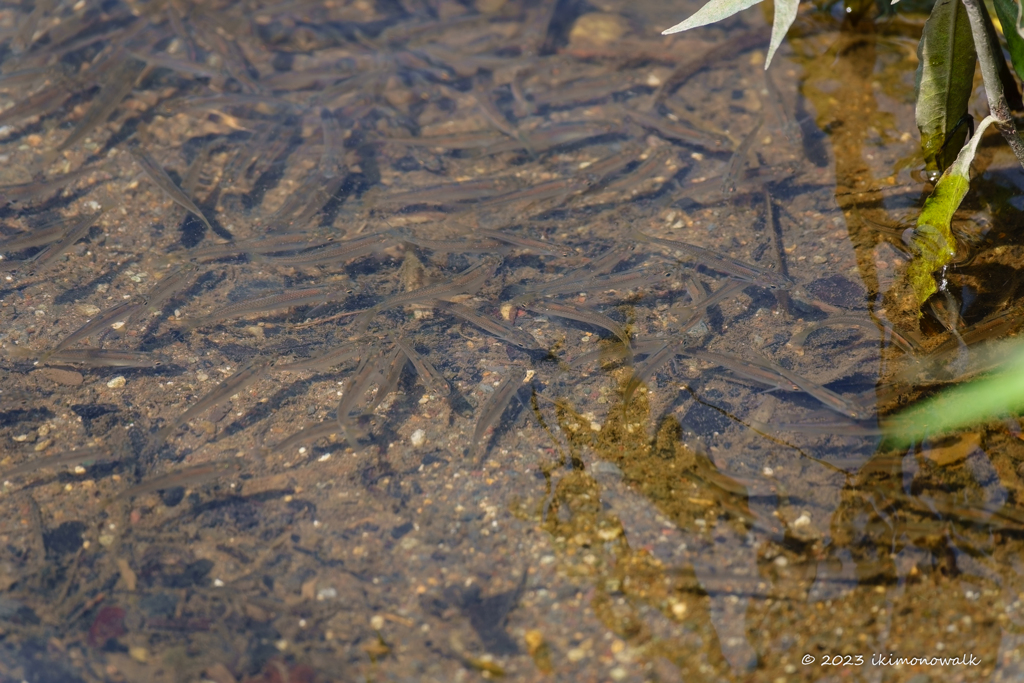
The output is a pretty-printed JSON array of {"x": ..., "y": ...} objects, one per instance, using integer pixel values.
[
  {"x": 376, "y": 622},
  {"x": 117, "y": 382},
  {"x": 803, "y": 520},
  {"x": 768, "y": 471},
  {"x": 418, "y": 437}
]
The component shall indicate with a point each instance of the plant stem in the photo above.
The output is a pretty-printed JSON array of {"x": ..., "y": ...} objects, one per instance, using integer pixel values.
[{"x": 990, "y": 74}]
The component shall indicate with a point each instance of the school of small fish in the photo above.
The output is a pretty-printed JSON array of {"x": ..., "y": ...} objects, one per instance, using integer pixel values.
[{"x": 308, "y": 200}]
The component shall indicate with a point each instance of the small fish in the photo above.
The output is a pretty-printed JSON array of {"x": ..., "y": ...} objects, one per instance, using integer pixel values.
[
  {"x": 26, "y": 191},
  {"x": 635, "y": 277},
  {"x": 118, "y": 83},
  {"x": 160, "y": 178},
  {"x": 101, "y": 322},
  {"x": 898, "y": 339},
  {"x": 512, "y": 335},
  {"x": 466, "y": 282},
  {"x": 495, "y": 406},
  {"x": 354, "y": 391},
  {"x": 326, "y": 360},
  {"x": 430, "y": 376},
  {"x": 48, "y": 256},
  {"x": 357, "y": 385},
  {"x": 605, "y": 264},
  {"x": 722, "y": 263},
  {"x": 675, "y": 131},
  {"x": 334, "y": 252},
  {"x": 236, "y": 383},
  {"x": 579, "y": 314},
  {"x": 187, "y": 477},
  {"x": 396, "y": 364},
  {"x": 453, "y": 246},
  {"x": 179, "y": 278},
  {"x": 78, "y": 457},
  {"x": 538, "y": 246},
  {"x": 264, "y": 304},
  {"x": 103, "y": 358}
]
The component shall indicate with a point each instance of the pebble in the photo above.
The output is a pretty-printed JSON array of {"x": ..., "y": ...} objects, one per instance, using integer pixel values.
[
  {"x": 418, "y": 437},
  {"x": 117, "y": 382},
  {"x": 598, "y": 28},
  {"x": 43, "y": 445}
]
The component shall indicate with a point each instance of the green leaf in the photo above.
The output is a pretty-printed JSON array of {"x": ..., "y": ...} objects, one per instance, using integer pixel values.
[
  {"x": 968, "y": 404},
  {"x": 1007, "y": 11},
  {"x": 933, "y": 236},
  {"x": 945, "y": 80},
  {"x": 716, "y": 10}
]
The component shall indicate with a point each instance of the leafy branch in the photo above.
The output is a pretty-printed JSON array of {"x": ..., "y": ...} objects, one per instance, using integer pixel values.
[{"x": 958, "y": 36}]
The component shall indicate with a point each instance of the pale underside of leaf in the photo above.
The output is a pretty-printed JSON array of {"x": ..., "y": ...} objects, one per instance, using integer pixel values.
[
  {"x": 785, "y": 15},
  {"x": 716, "y": 10}
]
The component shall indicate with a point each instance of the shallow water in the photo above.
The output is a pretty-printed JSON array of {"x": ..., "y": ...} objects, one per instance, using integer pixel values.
[{"x": 285, "y": 455}]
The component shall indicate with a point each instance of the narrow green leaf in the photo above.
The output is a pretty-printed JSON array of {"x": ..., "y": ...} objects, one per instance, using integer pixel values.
[
  {"x": 969, "y": 404},
  {"x": 933, "y": 236},
  {"x": 945, "y": 80},
  {"x": 785, "y": 15},
  {"x": 716, "y": 10},
  {"x": 1007, "y": 11}
]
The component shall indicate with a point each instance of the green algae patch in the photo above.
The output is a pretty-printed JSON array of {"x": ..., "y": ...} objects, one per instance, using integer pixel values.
[
  {"x": 933, "y": 237},
  {"x": 591, "y": 542}
]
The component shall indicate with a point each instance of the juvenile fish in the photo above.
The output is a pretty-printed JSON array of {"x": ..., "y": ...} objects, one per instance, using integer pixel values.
[
  {"x": 234, "y": 384},
  {"x": 119, "y": 83},
  {"x": 79, "y": 457},
  {"x": 635, "y": 277},
  {"x": 160, "y": 178},
  {"x": 468, "y": 282},
  {"x": 827, "y": 397},
  {"x": 722, "y": 263},
  {"x": 187, "y": 476},
  {"x": 605, "y": 264},
  {"x": 331, "y": 253},
  {"x": 326, "y": 360},
  {"x": 103, "y": 321},
  {"x": 512, "y": 335},
  {"x": 26, "y": 191},
  {"x": 167, "y": 288},
  {"x": 495, "y": 406},
  {"x": 264, "y": 304},
  {"x": 103, "y": 358},
  {"x": 454, "y": 246},
  {"x": 396, "y": 364},
  {"x": 430, "y": 375},
  {"x": 579, "y": 314},
  {"x": 46, "y": 258},
  {"x": 538, "y": 246}
]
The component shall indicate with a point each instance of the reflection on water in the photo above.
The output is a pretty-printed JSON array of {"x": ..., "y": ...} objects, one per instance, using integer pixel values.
[{"x": 441, "y": 341}]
